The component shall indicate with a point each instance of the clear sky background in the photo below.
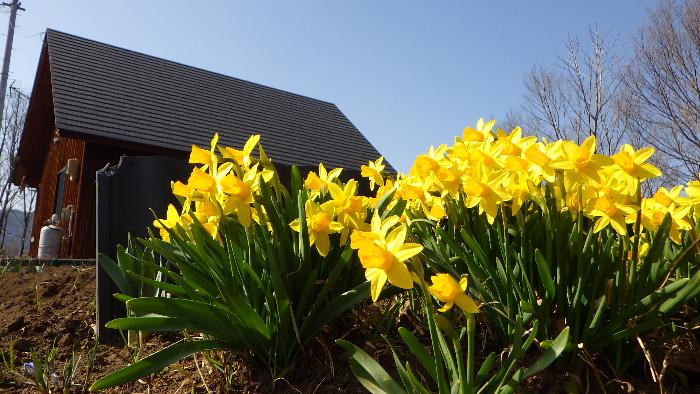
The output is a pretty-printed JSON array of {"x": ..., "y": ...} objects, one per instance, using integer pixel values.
[{"x": 408, "y": 74}]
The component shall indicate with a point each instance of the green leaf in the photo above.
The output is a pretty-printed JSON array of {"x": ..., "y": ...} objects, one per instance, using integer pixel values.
[
  {"x": 116, "y": 274},
  {"x": 416, "y": 385},
  {"x": 154, "y": 363},
  {"x": 211, "y": 319},
  {"x": 313, "y": 324},
  {"x": 418, "y": 350},
  {"x": 545, "y": 275},
  {"x": 122, "y": 297},
  {"x": 550, "y": 354},
  {"x": 152, "y": 323},
  {"x": 384, "y": 201},
  {"x": 485, "y": 368},
  {"x": 168, "y": 287},
  {"x": 681, "y": 296},
  {"x": 370, "y": 374}
]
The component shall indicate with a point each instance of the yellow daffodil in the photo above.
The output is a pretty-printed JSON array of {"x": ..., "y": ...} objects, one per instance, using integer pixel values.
[
  {"x": 511, "y": 144},
  {"x": 203, "y": 156},
  {"x": 171, "y": 221},
  {"x": 666, "y": 197},
  {"x": 481, "y": 133},
  {"x": 239, "y": 193},
  {"x": 449, "y": 179},
  {"x": 383, "y": 255},
  {"x": 434, "y": 208},
  {"x": 318, "y": 183},
  {"x": 427, "y": 164},
  {"x": 487, "y": 192},
  {"x": 349, "y": 207},
  {"x": 653, "y": 214},
  {"x": 373, "y": 171},
  {"x": 412, "y": 189},
  {"x": 446, "y": 289},
  {"x": 320, "y": 223},
  {"x": 242, "y": 157},
  {"x": 486, "y": 155},
  {"x": 632, "y": 167},
  {"x": 609, "y": 212},
  {"x": 208, "y": 214},
  {"x": 580, "y": 163},
  {"x": 539, "y": 158},
  {"x": 519, "y": 191},
  {"x": 643, "y": 246},
  {"x": 693, "y": 192}
]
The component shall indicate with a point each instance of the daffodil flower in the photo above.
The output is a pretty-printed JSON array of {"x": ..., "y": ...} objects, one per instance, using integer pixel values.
[
  {"x": 446, "y": 289},
  {"x": 318, "y": 183},
  {"x": 632, "y": 166},
  {"x": 171, "y": 221},
  {"x": 383, "y": 255},
  {"x": 239, "y": 192},
  {"x": 580, "y": 163},
  {"x": 320, "y": 223},
  {"x": 349, "y": 207},
  {"x": 539, "y": 158},
  {"x": 609, "y": 212},
  {"x": 449, "y": 179},
  {"x": 203, "y": 156},
  {"x": 486, "y": 192},
  {"x": 426, "y": 165},
  {"x": 666, "y": 197},
  {"x": 242, "y": 157},
  {"x": 373, "y": 171},
  {"x": 481, "y": 133},
  {"x": 412, "y": 189},
  {"x": 653, "y": 214},
  {"x": 693, "y": 192},
  {"x": 511, "y": 144}
]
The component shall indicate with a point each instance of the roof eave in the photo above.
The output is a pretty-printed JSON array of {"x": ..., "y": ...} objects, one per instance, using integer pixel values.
[{"x": 38, "y": 127}]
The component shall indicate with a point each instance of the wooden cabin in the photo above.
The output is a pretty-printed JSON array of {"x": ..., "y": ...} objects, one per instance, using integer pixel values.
[{"x": 92, "y": 103}]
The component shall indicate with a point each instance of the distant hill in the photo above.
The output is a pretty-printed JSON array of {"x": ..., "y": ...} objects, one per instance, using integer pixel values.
[{"x": 13, "y": 235}]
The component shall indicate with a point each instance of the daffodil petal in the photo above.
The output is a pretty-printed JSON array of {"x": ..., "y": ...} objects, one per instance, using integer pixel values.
[{"x": 400, "y": 276}]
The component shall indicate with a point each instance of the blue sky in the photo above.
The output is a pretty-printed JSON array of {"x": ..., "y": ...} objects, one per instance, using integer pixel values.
[{"x": 408, "y": 74}]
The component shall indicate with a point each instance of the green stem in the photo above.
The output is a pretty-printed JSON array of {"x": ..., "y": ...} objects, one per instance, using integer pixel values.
[
  {"x": 432, "y": 327},
  {"x": 635, "y": 248},
  {"x": 463, "y": 387},
  {"x": 471, "y": 328}
]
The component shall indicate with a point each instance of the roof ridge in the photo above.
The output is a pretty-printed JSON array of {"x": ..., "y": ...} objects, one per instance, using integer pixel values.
[{"x": 199, "y": 69}]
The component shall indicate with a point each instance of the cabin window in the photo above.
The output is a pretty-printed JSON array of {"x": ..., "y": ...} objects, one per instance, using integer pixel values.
[{"x": 60, "y": 186}]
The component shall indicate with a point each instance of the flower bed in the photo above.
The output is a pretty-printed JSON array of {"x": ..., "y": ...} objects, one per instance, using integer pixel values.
[{"x": 512, "y": 257}]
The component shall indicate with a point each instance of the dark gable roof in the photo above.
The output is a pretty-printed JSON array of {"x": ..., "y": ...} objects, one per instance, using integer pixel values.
[{"x": 112, "y": 93}]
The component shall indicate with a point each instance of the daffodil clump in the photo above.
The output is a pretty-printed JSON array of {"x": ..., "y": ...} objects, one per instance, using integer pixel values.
[
  {"x": 542, "y": 232},
  {"x": 223, "y": 183},
  {"x": 485, "y": 168},
  {"x": 496, "y": 171}
]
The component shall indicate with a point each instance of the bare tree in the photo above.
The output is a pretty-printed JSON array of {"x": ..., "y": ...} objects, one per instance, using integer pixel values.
[
  {"x": 663, "y": 86},
  {"x": 11, "y": 196},
  {"x": 577, "y": 98}
]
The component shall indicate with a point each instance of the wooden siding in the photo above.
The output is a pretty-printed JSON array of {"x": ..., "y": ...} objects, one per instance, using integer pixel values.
[{"x": 56, "y": 158}]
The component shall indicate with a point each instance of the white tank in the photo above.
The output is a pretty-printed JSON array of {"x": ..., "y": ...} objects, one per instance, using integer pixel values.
[{"x": 49, "y": 242}]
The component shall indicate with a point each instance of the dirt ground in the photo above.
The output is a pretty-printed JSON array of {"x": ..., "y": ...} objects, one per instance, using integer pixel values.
[{"x": 55, "y": 308}]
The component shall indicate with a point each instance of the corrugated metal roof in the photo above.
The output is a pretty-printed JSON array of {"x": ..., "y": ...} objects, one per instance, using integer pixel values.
[{"x": 108, "y": 92}]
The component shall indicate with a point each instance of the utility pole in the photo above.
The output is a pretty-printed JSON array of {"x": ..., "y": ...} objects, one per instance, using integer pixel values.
[{"x": 14, "y": 6}]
